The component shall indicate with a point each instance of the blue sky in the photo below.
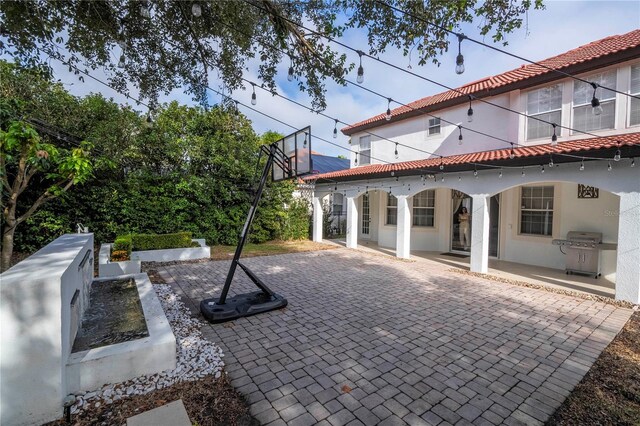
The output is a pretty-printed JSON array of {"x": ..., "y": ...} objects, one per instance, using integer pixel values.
[{"x": 562, "y": 26}]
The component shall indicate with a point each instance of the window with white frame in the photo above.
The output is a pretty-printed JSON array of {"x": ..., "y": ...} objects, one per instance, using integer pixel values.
[
  {"x": 536, "y": 210},
  {"x": 543, "y": 104},
  {"x": 583, "y": 113},
  {"x": 424, "y": 204},
  {"x": 392, "y": 210},
  {"x": 434, "y": 126},
  {"x": 337, "y": 203},
  {"x": 634, "y": 89},
  {"x": 365, "y": 150}
]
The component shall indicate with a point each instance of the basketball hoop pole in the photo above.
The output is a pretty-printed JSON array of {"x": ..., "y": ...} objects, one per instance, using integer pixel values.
[{"x": 245, "y": 234}]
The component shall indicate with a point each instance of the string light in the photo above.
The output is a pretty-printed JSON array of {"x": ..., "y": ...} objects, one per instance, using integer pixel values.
[
  {"x": 121, "y": 63},
  {"x": 475, "y": 172},
  {"x": 441, "y": 163},
  {"x": 500, "y": 175},
  {"x": 633, "y": 162},
  {"x": 149, "y": 121},
  {"x": 196, "y": 10},
  {"x": 460, "y": 58},
  {"x": 393, "y": 173},
  {"x": 290, "y": 73},
  {"x": 554, "y": 137},
  {"x": 335, "y": 130},
  {"x": 356, "y": 162},
  {"x": 512, "y": 154},
  {"x": 596, "y": 108},
  {"x": 609, "y": 166},
  {"x": 542, "y": 168},
  {"x": 617, "y": 156},
  {"x": 460, "y": 135},
  {"x": 388, "y": 116},
  {"x": 459, "y": 178},
  {"x": 470, "y": 110},
  {"x": 304, "y": 143},
  {"x": 360, "y": 77},
  {"x": 396, "y": 152},
  {"x": 253, "y": 95},
  {"x": 442, "y": 178},
  {"x": 523, "y": 171},
  {"x": 582, "y": 165}
]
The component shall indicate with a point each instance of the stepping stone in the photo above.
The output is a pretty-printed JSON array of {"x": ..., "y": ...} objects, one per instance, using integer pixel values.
[{"x": 173, "y": 414}]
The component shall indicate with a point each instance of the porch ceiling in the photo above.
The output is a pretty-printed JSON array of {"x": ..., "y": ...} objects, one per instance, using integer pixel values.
[{"x": 591, "y": 148}]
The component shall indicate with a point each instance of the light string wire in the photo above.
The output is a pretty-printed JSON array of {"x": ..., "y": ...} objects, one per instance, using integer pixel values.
[
  {"x": 456, "y": 90},
  {"x": 497, "y": 49}
]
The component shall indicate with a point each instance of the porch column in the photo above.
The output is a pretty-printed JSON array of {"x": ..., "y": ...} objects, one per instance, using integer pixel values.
[
  {"x": 352, "y": 222},
  {"x": 403, "y": 228},
  {"x": 628, "y": 254},
  {"x": 317, "y": 219},
  {"x": 480, "y": 234}
]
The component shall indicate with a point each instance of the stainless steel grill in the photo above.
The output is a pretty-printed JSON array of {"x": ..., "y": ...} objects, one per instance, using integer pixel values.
[{"x": 583, "y": 252}]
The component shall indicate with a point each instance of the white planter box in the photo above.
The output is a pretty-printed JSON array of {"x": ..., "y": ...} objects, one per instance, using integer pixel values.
[
  {"x": 168, "y": 255},
  {"x": 89, "y": 370},
  {"x": 107, "y": 268}
]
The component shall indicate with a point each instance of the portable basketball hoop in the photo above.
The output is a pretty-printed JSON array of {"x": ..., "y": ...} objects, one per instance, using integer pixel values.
[{"x": 287, "y": 158}]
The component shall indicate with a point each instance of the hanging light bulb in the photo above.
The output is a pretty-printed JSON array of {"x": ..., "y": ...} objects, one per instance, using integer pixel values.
[
  {"x": 253, "y": 95},
  {"x": 393, "y": 173},
  {"x": 582, "y": 166},
  {"x": 335, "y": 188},
  {"x": 144, "y": 10},
  {"x": 618, "y": 155},
  {"x": 441, "y": 164},
  {"x": 550, "y": 160},
  {"x": 304, "y": 142},
  {"x": 596, "y": 108},
  {"x": 360, "y": 77},
  {"x": 470, "y": 110},
  {"x": 196, "y": 10},
  {"x": 609, "y": 166},
  {"x": 500, "y": 175},
  {"x": 459, "y": 178},
  {"x": 290, "y": 73},
  {"x": 475, "y": 173},
  {"x": 122, "y": 62},
  {"x": 349, "y": 141},
  {"x": 396, "y": 152},
  {"x": 554, "y": 137},
  {"x": 149, "y": 121},
  {"x": 633, "y": 162},
  {"x": 335, "y": 130},
  {"x": 388, "y": 116},
  {"x": 460, "y": 58},
  {"x": 442, "y": 178},
  {"x": 522, "y": 171},
  {"x": 356, "y": 162},
  {"x": 542, "y": 169},
  {"x": 460, "y": 135},
  {"x": 512, "y": 155}
]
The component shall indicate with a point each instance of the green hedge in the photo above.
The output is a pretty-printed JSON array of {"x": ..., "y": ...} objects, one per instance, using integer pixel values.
[{"x": 161, "y": 241}]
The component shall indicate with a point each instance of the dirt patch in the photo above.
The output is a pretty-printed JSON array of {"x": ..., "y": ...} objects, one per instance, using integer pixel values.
[
  {"x": 208, "y": 402},
  {"x": 609, "y": 394}
]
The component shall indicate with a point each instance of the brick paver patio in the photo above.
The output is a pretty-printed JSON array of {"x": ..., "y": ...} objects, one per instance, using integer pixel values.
[{"x": 367, "y": 339}]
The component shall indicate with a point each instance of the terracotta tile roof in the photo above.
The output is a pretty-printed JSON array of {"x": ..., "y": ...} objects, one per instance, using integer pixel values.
[
  {"x": 594, "y": 50},
  {"x": 570, "y": 147}
]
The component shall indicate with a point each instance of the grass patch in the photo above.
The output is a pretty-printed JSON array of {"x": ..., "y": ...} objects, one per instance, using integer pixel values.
[
  {"x": 268, "y": 249},
  {"x": 609, "y": 394}
]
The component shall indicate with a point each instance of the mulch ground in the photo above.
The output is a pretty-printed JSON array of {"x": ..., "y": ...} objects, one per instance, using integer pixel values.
[{"x": 609, "y": 394}]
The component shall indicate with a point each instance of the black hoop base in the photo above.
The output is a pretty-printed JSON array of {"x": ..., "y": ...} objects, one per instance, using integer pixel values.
[{"x": 241, "y": 305}]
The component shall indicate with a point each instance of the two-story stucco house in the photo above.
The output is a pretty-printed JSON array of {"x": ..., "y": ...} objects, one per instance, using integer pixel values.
[{"x": 536, "y": 161}]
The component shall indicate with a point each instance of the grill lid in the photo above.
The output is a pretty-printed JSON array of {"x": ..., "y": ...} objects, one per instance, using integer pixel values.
[{"x": 588, "y": 237}]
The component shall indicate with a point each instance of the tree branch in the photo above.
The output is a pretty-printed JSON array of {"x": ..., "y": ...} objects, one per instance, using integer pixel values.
[{"x": 46, "y": 196}]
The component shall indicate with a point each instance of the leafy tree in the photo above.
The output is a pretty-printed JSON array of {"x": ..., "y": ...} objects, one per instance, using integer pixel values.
[
  {"x": 25, "y": 156},
  {"x": 159, "y": 45}
]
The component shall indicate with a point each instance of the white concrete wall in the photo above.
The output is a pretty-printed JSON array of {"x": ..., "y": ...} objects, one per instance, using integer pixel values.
[
  {"x": 35, "y": 320},
  {"x": 107, "y": 268},
  {"x": 168, "y": 255}
]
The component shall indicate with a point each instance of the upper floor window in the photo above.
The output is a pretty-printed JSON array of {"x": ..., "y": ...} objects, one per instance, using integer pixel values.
[
  {"x": 584, "y": 117},
  {"x": 424, "y": 208},
  {"x": 634, "y": 107},
  {"x": 392, "y": 210},
  {"x": 434, "y": 126},
  {"x": 365, "y": 150},
  {"x": 543, "y": 104},
  {"x": 536, "y": 210}
]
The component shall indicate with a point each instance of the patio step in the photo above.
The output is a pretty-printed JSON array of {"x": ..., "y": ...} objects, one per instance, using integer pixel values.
[{"x": 171, "y": 414}]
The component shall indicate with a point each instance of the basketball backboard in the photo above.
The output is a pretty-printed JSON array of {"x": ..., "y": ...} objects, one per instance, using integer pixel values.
[{"x": 293, "y": 155}]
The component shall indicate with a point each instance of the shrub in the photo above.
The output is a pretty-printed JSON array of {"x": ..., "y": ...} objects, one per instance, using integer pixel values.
[
  {"x": 119, "y": 255},
  {"x": 123, "y": 243},
  {"x": 161, "y": 241}
]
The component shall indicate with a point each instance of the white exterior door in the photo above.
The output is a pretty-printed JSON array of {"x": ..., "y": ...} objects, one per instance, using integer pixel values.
[{"x": 365, "y": 218}]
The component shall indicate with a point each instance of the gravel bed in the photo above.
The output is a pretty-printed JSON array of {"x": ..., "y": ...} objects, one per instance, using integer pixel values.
[
  {"x": 578, "y": 294},
  {"x": 196, "y": 358}
]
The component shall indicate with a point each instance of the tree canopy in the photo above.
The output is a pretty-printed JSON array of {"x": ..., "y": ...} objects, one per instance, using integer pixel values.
[{"x": 159, "y": 45}]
